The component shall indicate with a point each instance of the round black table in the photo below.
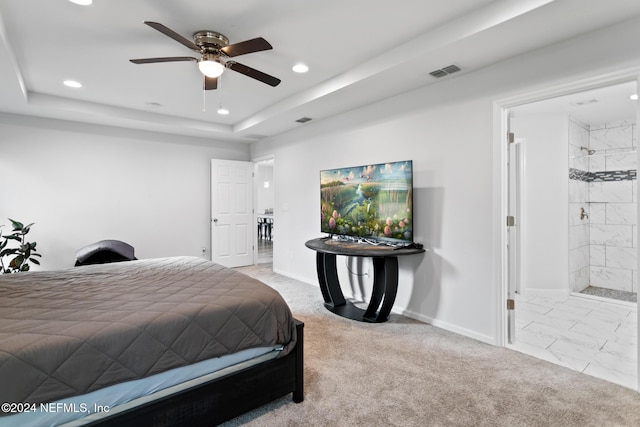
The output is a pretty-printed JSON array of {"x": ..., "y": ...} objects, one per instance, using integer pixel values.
[{"x": 385, "y": 276}]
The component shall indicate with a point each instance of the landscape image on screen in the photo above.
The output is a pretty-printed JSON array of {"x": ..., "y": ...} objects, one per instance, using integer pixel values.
[{"x": 372, "y": 201}]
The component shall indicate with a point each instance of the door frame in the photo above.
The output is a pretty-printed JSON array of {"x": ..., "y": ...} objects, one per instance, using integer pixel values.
[
  {"x": 255, "y": 161},
  {"x": 500, "y": 174}
]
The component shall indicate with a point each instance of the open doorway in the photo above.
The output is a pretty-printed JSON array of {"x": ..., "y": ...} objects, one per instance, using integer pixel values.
[
  {"x": 576, "y": 291},
  {"x": 264, "y": 209}
]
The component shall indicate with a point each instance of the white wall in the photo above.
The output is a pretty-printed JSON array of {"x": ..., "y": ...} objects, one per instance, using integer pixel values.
[
  {"x": 447, "y": 130},
  {"x": 452, "y": 200},
  {"x": 84, "y": 183},
  {"x": 546, "y": 195}
]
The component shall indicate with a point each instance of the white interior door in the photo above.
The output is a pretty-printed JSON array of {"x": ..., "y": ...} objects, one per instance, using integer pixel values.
[
  {"x": 232, "y": 223},
  {"x": 514, "y": 217}
]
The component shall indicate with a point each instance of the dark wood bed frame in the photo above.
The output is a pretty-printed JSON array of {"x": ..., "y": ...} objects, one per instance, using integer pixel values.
[{"x": 222, "y": 399}]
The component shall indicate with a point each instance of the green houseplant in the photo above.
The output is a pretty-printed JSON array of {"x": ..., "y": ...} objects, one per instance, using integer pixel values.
[{"x": 19, "y": 257}]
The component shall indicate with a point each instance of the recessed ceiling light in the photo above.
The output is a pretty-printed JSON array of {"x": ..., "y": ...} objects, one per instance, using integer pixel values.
[
  {"x": 634, "y": 97},
  {"x": 82, "y": 2},
  {"x": 72, "y": 83},
  {"x": 223, "y": 111},
  {"x": 300, "y": 68}
]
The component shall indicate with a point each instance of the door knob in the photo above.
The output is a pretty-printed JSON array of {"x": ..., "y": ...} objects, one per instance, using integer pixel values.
[{"x": 215, "y": 219}]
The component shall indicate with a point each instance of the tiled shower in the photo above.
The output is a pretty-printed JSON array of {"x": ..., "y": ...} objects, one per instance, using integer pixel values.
[{"x": 602, "y": 209}]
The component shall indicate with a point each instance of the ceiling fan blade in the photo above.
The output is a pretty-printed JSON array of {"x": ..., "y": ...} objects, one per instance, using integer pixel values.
[
  {"x": 253, "y": 73},
  {"x": 167, "y": 59},
  {"x": 247, "y": 46},
  {"x": 170, "y": 33},
  {"x": 210, "y": 83}
]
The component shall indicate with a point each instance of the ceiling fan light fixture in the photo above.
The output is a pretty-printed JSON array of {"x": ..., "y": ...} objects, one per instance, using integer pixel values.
[
  {"x": 223, "y": 111},
  {"x": 210, "y": 67}
]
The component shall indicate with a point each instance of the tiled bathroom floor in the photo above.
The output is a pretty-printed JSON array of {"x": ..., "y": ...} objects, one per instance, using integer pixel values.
[{"x": 595, "y": 336}]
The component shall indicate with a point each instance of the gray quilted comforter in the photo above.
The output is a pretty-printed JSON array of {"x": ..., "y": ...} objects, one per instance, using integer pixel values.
[{"x": 69, "y": 332}]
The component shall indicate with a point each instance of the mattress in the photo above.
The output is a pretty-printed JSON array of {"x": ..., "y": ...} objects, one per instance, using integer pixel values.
[
  {"x": 78, "y": 410},
  {"x": 70, "y": 332}
]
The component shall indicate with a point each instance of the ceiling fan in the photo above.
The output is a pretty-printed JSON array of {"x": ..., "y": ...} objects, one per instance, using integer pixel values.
[{"x": 214, "y": 50}]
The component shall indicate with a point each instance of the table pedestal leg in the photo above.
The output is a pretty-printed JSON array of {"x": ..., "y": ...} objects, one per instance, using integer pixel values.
[
  {"x": 390, "y": 287},
  {"x": 328, "y": 278},
  {"x": 385, "y": 287}
]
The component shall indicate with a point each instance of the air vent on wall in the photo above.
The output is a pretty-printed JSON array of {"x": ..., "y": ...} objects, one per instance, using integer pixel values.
[
  {"x": 303, "y": 120},
  {"x": 445, "y": 71}
]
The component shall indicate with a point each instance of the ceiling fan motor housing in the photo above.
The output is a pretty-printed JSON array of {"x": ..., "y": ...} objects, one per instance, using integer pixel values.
[{"x": 210, "y": 40}]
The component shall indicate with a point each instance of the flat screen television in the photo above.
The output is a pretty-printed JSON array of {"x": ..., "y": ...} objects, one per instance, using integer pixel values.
[{"x": 368, "y": 202}]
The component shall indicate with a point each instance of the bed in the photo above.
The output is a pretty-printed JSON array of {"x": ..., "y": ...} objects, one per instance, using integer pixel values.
[{"x": 162, "y": 342}]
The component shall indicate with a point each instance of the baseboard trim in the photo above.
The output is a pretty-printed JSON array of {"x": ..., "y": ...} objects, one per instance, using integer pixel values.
[{"x": 448, "y": 326}]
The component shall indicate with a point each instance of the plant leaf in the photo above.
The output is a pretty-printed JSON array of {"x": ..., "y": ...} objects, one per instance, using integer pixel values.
[
  {"x": 16, "y": 262},
  {"x": 17, "y": 225},
  {"x": 9, "y": 251}
]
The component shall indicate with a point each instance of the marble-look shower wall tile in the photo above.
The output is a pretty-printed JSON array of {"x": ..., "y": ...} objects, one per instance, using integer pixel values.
[
  {"x": 621, "y": 161},
  {"x": 611, "y": 235},
  {"x": 579, "y": 236},
  {"x": 579, "y": 279},
  {"x": 618, "y": 257},
  {"x": 579, "y": 258},
  {"x": 597, "y": 163},
  {"x": 611, "y": 199},
  {"x": 579, "y": 160},
  {"x": 611, "y": 278},
  {"x": 613, "y": 191},
  {"x": 598, "y": 255},
  {"x": 597, "y": 213},
  {"x": 622, "y": 213},
  {"x": 619, "y": 123},
  {"x": 609, "y": 138},
  {"x": 578, "y": 191}
]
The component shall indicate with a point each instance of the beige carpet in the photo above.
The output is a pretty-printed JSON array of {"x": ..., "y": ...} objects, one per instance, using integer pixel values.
[{"x": 407, "y": 373}]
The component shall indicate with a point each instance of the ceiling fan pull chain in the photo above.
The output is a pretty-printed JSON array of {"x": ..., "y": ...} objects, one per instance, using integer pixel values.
[{"x": 204, "y": 95}]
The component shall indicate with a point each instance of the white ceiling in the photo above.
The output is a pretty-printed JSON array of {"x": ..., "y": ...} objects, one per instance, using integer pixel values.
[{"x": 358, "y": 51}]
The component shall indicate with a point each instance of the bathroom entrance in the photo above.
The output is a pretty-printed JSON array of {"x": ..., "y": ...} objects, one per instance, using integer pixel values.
[
  {"x": 573, "y": 270},
  {"x": 579, "y": 195}
]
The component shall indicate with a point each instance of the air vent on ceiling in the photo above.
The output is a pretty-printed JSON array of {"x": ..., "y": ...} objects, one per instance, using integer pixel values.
[
  {"x": 303, "y": 120},
  {"x": 445, "y": 71},
  {"x": 585, "y": 102}
]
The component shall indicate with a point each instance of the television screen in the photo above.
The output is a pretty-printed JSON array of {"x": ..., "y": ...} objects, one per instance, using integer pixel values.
[{"x": 371, "y": 201}]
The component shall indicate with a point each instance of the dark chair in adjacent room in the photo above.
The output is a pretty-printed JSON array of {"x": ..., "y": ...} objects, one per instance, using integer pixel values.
[{"x": 103, "y": 252}]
